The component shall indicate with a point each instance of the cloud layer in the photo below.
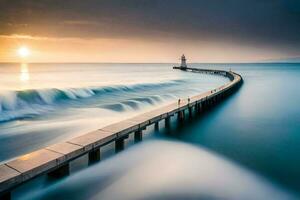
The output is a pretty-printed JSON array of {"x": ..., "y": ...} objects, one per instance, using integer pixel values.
[{"x": 269, "y": 24}]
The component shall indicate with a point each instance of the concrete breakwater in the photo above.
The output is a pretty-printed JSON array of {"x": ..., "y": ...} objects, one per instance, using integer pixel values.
[{"x": 54, "y": 160}]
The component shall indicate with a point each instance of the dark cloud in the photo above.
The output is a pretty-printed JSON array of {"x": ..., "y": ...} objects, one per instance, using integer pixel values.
[{"x": 268, "y": 22}]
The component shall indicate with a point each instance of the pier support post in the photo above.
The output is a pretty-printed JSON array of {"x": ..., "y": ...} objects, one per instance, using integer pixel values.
[
  {"x": 204, "y": 105},
  {"x": 62, "y": 171},
  {"x": 200, "y": 107},
  {"x": 156, "y": 126},
  {"x": 196, "y": 107},
  {"x": 167, "y": 122},
  {"x": 94, "y": 156},
  {"x": 181, "y": 116},
  {"x": 190, "y": 112},
  {"x": 138, "y": 136},
  {"x": 119, "y": 144}
]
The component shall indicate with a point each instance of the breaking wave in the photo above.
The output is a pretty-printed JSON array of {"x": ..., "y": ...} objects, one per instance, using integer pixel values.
[
  {"x": 30, "y": 103},
  {"x": 133, "y": 104}
]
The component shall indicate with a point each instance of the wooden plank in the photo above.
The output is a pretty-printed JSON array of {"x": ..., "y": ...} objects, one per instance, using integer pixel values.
[
  {"x": 93, "y": 139},
  {"x": 35, "y": 163},
  {"x": 8, "y": 177},
  {"x": 142, "y": 120},
  {"x": 69, "y": 150},
  {"x": 121, "y": 128}
]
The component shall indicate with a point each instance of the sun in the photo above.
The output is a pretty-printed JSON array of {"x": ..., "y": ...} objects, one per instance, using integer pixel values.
[{"x": 23, "y": 52}]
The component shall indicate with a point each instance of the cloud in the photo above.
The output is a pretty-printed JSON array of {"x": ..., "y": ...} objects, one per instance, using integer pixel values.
[
  {"x": 80, "y": 23},
  {"x": 44, "y": 38},
  {"x": 260, "y": 23},
  {"x": 17, "y": 36},
  {"x": 263, "y": 20}
]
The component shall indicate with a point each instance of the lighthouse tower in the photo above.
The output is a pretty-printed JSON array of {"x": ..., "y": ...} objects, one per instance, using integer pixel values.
[{"x": 183, "y": 62}]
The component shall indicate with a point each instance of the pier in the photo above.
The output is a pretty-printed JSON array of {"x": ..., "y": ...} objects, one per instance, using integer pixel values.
[{"x": 54, "y": 160}]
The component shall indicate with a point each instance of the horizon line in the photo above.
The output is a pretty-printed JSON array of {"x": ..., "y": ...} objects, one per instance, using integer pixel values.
[{"x": 257, "y": 62}]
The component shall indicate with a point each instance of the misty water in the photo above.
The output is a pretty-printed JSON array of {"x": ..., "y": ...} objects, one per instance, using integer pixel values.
[
  {"x": 42, "y": 104},
  {"x": 247, "y": 147}
]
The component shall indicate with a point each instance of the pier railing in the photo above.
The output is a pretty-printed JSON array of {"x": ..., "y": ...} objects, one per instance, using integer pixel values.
[{"x": 54, "y": 160}]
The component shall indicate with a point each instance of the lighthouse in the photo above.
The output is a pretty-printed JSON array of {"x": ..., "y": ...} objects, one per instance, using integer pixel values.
[
  {"x": 183, "y": 62},
  {"x": 183, "y": 65}
]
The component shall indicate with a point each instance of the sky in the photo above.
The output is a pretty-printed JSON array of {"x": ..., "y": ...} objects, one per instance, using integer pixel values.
[{"x": 150, "y": 30}]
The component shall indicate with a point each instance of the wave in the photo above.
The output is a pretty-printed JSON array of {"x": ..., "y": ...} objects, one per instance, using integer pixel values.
[
  {"x": 29, "y": 103},
  {"x": 133, "y": 104}
]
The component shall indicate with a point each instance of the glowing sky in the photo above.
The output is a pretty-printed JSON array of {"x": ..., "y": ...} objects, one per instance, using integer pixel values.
[{"x": 149, "y": 30}]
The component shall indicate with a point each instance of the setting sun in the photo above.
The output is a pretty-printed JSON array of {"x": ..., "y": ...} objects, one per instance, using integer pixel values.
[{"x": 23, "y": 52}]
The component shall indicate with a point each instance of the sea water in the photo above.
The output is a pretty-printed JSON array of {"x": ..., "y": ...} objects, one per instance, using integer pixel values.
[
  {"x": 41, "y": 104},
  {"x": 245, "y": 148}
]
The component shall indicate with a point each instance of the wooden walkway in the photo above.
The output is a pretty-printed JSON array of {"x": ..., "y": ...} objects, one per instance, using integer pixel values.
[{"x": 54, "y": 160}]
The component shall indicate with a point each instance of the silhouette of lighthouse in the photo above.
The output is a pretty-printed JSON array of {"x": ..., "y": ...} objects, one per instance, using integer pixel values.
[{"x": 183, "y": 62}]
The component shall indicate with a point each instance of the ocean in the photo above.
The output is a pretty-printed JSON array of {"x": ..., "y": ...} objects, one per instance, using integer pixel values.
[{"x": 247, "y": 147}]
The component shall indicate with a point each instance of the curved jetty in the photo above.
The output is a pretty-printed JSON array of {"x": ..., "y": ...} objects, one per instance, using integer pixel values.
[{"x": 54, "y": 160}]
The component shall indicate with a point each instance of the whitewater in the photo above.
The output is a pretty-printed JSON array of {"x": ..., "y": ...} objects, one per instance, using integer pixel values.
[{"x": 41, "y": 104}]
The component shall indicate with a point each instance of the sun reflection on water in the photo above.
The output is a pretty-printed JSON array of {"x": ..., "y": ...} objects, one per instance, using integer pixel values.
[{"x": 24, "y": 73}]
